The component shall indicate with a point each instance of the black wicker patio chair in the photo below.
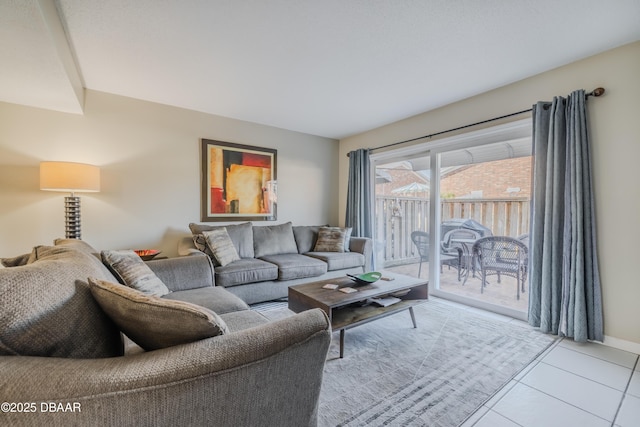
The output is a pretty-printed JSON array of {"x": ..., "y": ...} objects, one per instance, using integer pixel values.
[{"x": 502, "y": 255}]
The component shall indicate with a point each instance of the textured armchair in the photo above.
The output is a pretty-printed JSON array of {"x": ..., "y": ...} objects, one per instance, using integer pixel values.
[
  {"x": 269, "y": 375},
  {"x": 62, "y": 360}
]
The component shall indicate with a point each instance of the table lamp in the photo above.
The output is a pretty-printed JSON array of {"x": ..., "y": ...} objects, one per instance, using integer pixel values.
[{"x": 72, "y": 178}]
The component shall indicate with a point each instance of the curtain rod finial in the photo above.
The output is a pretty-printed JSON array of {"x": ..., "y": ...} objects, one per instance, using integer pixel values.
[{"x": 598, "y": 91}]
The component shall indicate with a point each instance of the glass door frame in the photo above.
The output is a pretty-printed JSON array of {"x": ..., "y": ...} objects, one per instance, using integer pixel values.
[{"x": 434, "y": 149}]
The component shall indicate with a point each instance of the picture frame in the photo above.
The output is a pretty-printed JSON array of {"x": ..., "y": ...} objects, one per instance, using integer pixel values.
[{"x": 238, "y": 182}]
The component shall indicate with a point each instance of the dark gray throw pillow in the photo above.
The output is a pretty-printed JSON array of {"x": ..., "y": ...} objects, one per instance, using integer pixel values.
[
  {"x": 153, "y": 322},
  {"x": 77, "y": 244},
  {"x": 46, "y": 307},
  {"x": 16, "y": 261}
]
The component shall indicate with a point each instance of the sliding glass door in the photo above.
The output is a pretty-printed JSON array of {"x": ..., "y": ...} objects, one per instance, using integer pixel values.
[
  {"x": 433, "y": 202},
  {"x": 402, "y": 205},
  {"x": 484, "y": 191}
]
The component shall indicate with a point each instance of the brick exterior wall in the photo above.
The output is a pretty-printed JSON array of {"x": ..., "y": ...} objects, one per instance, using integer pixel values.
[{"x": 488, "y": 180}]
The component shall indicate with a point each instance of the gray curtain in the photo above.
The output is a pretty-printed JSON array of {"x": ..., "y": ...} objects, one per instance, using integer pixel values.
[
  {"x": 565, "y": 295},
  {"x": 359, "y": 200}
]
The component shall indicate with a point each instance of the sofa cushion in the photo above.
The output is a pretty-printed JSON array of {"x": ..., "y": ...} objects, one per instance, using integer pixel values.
[
  {"x": 221, "y": 246},
  {"x": 306, "y": 236},
  {"x": 331, "y": 239},
  {"x": 274, "y": 240},
  {"x": 240, "y": 320},
  {"x": 46, "y": 307},
  {"x": 246, "y": 270},
  {"x": 184, "y": 272},
  {"x": 240, "y": 234},
  {"x": 153, "y": 322},
  {"x": 339, "y": 260},
  {"x": 296, "y": 266},
  {"x": 129, "y": 268},
  {"x": 215, "y": 298}
]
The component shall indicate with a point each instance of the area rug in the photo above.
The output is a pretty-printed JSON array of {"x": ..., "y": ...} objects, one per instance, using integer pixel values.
[{"x": 435, "y": 375}]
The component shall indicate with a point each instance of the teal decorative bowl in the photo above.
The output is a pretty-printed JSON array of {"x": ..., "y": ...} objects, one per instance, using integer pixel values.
[{"x": 365, "y": 278}]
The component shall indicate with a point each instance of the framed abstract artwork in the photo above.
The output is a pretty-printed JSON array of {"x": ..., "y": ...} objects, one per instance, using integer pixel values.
[{"x": 238, "y": 182}]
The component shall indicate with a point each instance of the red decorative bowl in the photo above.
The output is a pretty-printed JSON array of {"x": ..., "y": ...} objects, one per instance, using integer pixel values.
[{"x": 147, "y": 254}]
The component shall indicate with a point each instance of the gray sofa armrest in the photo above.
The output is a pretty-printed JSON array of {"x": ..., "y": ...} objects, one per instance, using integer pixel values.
[
  {"x": 267, "y": 375},
  {"x": 363, "y": 245},
  {"x": 182, "y": 273}
]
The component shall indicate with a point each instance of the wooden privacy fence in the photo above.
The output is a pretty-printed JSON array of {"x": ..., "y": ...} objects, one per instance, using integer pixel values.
[{"x": 397, "y": 217}]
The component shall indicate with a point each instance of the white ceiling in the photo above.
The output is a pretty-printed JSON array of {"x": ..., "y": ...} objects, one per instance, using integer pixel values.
[{"x": 332, "y": 68}]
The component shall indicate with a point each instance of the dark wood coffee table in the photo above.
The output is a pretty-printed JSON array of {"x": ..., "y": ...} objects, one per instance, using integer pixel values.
[{"x": 346, "y": 311}]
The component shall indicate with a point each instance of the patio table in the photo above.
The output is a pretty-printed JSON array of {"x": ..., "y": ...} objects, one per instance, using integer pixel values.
[{"x": 467, "y": 256}]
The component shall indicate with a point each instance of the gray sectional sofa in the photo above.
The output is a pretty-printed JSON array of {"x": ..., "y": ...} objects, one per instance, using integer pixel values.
[
  {"x": 273, "y": 257},
  {"x": 63, "y": 362}
]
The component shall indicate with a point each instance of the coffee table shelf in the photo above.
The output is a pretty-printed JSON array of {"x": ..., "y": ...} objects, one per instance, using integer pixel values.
[
  {"x": 350, "y": 317},
  {"x": 345, "y": 310}
]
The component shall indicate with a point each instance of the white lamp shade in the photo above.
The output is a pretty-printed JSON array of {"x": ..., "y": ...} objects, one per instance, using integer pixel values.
[{"x": 69, "y": 177}]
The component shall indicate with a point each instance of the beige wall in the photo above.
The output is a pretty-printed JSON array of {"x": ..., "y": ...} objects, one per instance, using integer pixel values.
[
  {"x": 615, "y": 126},
  {"x": 149, "y": 156}
]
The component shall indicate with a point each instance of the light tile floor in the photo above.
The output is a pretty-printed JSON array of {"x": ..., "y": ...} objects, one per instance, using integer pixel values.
[{"x": 571, "y": 384}]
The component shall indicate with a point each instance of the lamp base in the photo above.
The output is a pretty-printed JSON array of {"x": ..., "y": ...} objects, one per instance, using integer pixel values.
[{"x": 72, "y": 217}]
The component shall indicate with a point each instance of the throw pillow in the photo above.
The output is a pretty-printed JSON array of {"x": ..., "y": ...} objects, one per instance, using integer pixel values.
[
  {"x": 46, "y": 308},
  {"x": 274, "y": 240},
  {"x": 330, "y": 239},
  {"x": 153, "y": 322},
  {"x": 241, "y": 235},
  {"x": 221, "y": 246},
  {"x": 347, "y": 238},
  {"x": 129, "y": 268},
  {"x": 76, "y": 244},
  {"x": 16, "y": 261}
]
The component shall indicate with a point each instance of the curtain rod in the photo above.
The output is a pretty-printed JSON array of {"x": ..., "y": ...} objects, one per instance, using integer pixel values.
[{"x": 596, "y": 92}]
